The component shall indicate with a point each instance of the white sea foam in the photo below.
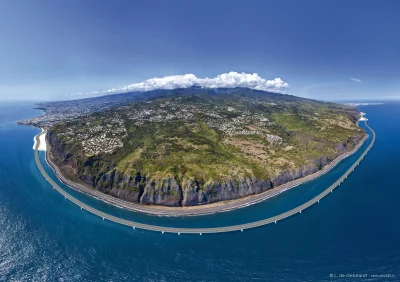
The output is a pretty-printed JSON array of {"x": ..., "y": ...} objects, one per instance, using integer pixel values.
[
  {"x": 42, "y": 138},
  {"x": 362, "y": 118}
]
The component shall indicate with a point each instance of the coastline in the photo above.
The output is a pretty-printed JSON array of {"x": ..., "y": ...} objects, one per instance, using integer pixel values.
[
  {"x": 42, "y": 139},
  {"x": 207, "y": 230},
  {"x": 212, "y": 208}
]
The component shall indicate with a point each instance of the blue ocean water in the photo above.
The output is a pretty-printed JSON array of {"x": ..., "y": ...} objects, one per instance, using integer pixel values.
[{"x": 353, "y": 231}]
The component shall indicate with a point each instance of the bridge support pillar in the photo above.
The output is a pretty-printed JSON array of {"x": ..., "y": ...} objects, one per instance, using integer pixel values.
[
  {"x": 200, "y": 234},
  {"x": 133, "y": 227},
  {"x": 241, "y": 230},
  {"x": 179, "y": 233},
  {"x": 162, "y": 232},
  {"x": 103, "y": 218}
]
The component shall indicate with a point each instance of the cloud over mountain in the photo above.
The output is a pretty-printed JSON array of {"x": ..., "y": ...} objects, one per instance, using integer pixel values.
[{"x": 228, "y": 80}]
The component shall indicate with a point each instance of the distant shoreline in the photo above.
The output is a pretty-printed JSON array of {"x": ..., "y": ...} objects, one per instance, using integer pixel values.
[
  {"x": 222, "y": 206},
  {"x": 362, "y": 104}
]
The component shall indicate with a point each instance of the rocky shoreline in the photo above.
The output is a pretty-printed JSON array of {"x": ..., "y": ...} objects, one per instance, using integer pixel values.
[{"x": 273, "y": 188}]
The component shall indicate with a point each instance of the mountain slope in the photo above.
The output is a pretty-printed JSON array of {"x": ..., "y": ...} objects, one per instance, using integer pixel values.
[{"x": 196, "y": 146}]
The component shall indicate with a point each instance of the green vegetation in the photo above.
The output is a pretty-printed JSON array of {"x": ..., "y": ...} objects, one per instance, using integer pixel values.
[{"x": 208, "y": 137}]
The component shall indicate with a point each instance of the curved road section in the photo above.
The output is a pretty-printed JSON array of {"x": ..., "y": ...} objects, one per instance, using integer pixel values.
[{"x": 200, "y": 231}]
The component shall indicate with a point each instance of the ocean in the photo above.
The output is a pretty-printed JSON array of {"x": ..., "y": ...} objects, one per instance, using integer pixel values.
[{"x": 351, "y": 234}]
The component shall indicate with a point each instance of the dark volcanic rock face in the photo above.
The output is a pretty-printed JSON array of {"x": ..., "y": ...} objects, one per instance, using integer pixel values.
[
  {"x": 193, "y": 194},
  {"x": 120, "y": 186},
  {"x": 292, "y": 174},
  {"x": 166, "y": 193}
]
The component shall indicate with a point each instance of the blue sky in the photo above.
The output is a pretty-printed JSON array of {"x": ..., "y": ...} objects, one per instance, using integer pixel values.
[{"x": 49, "y": 49}]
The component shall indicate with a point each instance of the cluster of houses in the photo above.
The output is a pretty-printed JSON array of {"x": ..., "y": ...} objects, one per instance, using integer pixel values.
[
  {"x": 97, "y": 136},
  {"x": 106, "y": 133},
  {"x": 245, "y": 123},
  {"x": 101, "y": 144}
]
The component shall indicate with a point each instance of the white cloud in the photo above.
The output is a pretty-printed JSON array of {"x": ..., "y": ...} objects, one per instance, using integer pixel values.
[
  {"x": 228, "y": 80},
  {"x": 356, "y": 80}
]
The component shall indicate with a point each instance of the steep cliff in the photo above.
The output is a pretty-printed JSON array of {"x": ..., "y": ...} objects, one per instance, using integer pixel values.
[
  {"x": 187, "y": 148},
  {"x": 169, "y": 192}
]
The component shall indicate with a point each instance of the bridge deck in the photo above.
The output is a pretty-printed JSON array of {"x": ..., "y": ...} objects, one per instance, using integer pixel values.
[{"x": 239, "y": 227}]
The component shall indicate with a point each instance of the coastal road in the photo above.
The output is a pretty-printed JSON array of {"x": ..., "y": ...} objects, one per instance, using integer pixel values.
[
  {"x": 202, "y": 209},
  {"x": 201, "y": 231}
]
